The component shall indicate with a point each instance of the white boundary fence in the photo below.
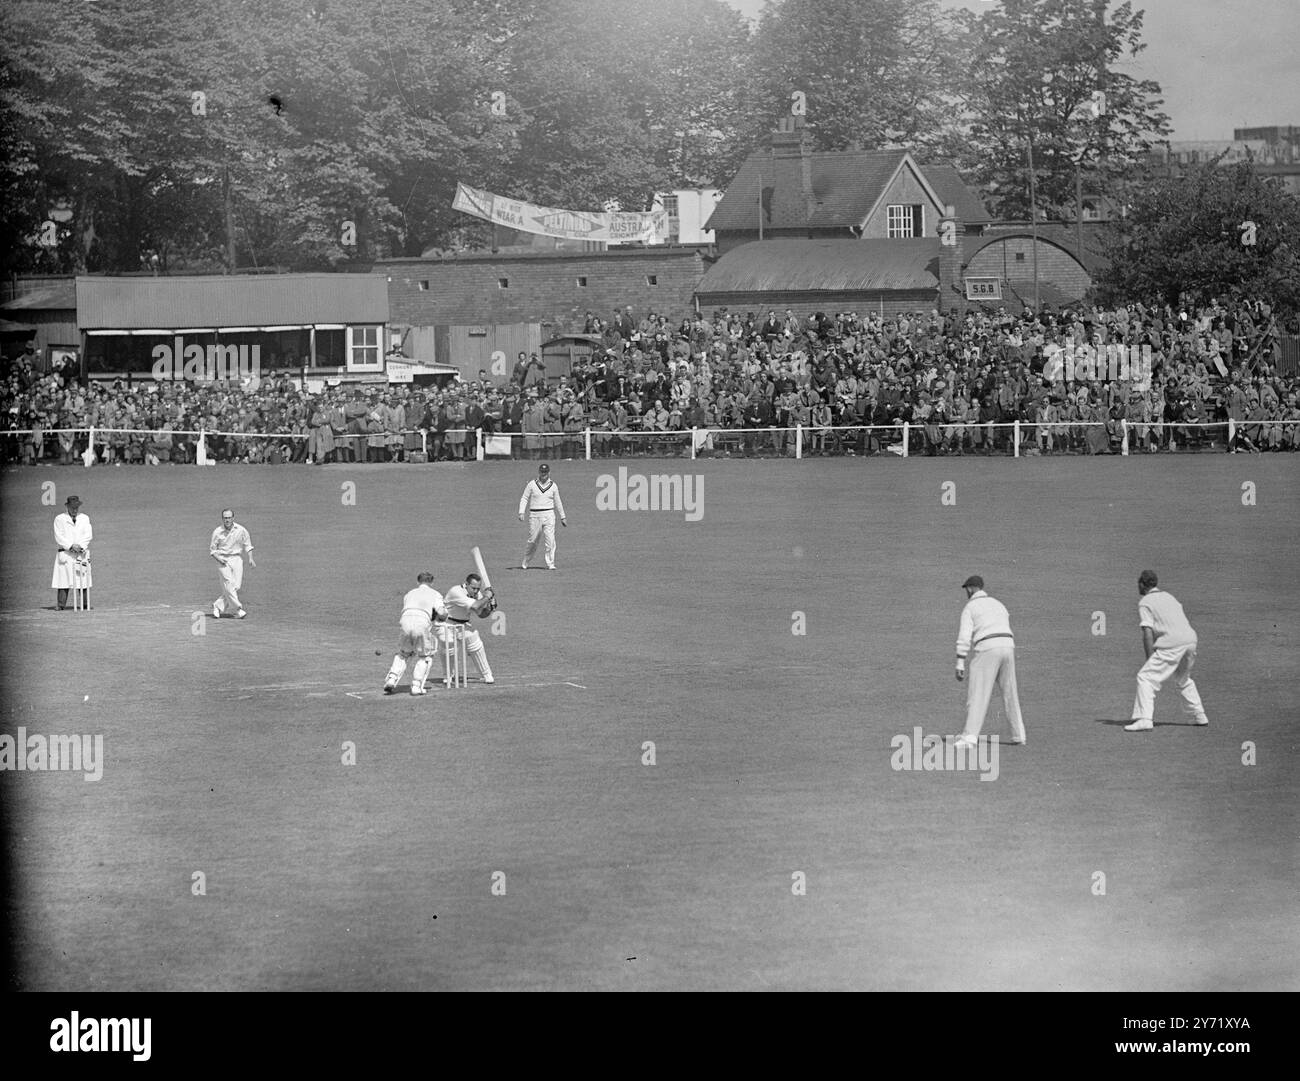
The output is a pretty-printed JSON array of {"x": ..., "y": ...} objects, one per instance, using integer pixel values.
[{"x": 904, "y": 439}]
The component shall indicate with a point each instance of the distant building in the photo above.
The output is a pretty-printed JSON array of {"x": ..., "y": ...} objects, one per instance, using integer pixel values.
[
  {"x": 789, "y": 191},
  {"x": 328, "y": 324},
  {"x": 688, "y": 211},
  {"x": 1274, "y": 151},
  {"x": 464, "y": 310}
]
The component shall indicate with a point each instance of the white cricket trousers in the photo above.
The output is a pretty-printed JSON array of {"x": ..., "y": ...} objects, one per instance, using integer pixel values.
[
  {"x": 232, "y": 577},
  {"x": 989, "y": 668},
  {"x": 1162, "y": 664},
  {"x": 541, "y": 523}
]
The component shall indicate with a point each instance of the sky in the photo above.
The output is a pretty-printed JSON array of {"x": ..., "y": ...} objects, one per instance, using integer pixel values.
[{"x": 1222, "y": 64}]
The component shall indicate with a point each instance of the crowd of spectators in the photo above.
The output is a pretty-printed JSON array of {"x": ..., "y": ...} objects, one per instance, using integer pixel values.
[{"x": 849, "y": 381}]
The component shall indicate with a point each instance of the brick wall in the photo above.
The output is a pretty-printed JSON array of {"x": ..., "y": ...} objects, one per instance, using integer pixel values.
[
  {"x": 1056, "y": 267},
  {"x": 542, "y": 289}
]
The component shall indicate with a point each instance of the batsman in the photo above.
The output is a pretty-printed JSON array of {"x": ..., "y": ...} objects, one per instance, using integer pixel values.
[{"x": 473, "y": 598}]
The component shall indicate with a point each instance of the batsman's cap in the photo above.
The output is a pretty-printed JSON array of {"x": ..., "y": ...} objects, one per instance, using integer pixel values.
[
  {"x": 543, "y": 468},
  {"x": 72, "y": 499},
  {"x": 974, "y": 580}
]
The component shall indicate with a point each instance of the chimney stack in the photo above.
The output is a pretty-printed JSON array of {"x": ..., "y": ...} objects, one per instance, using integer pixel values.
[
  {"x": 792, "y": 164},
  {"x": 952, "y": 287}
]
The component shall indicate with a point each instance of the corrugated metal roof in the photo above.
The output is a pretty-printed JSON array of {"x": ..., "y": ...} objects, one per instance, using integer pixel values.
[
  {"x": 825, "y": 265},
  {"x": 238, "y": 301},
  {"x": 845, "y": 186}
]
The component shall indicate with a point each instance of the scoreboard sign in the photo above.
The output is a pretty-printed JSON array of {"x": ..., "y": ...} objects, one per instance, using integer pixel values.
[{"x": 983, "y": 288}]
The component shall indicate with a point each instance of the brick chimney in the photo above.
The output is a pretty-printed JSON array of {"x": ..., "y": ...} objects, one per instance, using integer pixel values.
[
  {"x": 952, "y": 287},
  {"x": 792, "y": 165}
]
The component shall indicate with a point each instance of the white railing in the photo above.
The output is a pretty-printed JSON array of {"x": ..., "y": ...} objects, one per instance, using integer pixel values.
[{"x": 905, "y": 438}]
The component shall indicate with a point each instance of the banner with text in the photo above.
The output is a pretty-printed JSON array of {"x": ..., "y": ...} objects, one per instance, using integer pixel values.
[{"x": 569, "y": 224}]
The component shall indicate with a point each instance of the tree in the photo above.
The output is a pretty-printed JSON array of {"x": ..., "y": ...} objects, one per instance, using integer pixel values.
[
  {"x": 1044, "y": 75},
  {"x": 618, "y": 99},
  {"x": 1213, "y": 232},
  {"x": 873, "y": 72}
]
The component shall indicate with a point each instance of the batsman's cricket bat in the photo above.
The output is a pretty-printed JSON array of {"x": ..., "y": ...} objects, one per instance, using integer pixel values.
[{"x": 482, "y": 570}]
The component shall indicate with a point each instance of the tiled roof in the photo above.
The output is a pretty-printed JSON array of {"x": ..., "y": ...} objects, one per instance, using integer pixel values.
[{"x": 845, "y": 186}]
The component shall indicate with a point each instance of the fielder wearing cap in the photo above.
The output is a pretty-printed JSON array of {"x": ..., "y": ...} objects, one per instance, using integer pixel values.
[
  {"x": 985, "y": 637},
  {"x": 541, "y": 500},
  {"x": 72, "y": 535}
]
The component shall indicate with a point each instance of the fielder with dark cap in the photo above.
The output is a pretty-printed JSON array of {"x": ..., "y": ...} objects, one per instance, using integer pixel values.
[
  {"x": 1170, "y": 645},
  {"x": 985, "y": 636},
  {"x": 541, "y": 501}
]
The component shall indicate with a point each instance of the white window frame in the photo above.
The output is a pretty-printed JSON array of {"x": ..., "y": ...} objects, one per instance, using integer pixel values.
[
  {"x": 353, "y": 346},
  {"x": 898, "y": 216}
]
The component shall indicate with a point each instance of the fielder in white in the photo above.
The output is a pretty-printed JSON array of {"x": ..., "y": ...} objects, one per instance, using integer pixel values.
[
  {"x": 1170, "y": 645},
  {"x": 541, "y": 501},
  {"x": 72, "y": 534},
  {"x": 985, "y": 635},
  {"x": 463, "y": 601},
  {"x": 419, "y": 608},
  {"x": 230, "y": 543}
]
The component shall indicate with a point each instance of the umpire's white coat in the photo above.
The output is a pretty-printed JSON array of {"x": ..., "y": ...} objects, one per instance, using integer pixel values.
[{"x": 67, "y": 533}]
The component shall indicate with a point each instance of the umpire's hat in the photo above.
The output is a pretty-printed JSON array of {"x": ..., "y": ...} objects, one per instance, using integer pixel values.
[
  {"x": 72, "y": 499},
  {"x": 974, "y": 580}
]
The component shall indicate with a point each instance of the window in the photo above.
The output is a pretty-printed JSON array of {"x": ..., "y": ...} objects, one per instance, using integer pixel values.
[
  {"x": 672, "y": 208},
  {"x": 652, "y": 279},
  {"x": 424, "y": 287},
  {"x": 1020, "y": 257},
  {"x": 582, "y": 281},
  {"x": 905, "y": 221},
  {"x": 503, "y": 283},
  {"x": 363, "y": 348}
]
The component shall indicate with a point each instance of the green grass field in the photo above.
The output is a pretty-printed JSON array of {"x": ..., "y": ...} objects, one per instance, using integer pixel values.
[{"x": 223, "y": 749}]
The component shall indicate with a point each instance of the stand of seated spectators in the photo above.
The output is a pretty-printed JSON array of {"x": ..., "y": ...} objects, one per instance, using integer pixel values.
[{"x": 849, "y": 381}]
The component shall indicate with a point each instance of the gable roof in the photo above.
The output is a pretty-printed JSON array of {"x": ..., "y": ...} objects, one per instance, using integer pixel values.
[
  {"x": 846, "y": 184},
  {"x": 803, "y": 266}
]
